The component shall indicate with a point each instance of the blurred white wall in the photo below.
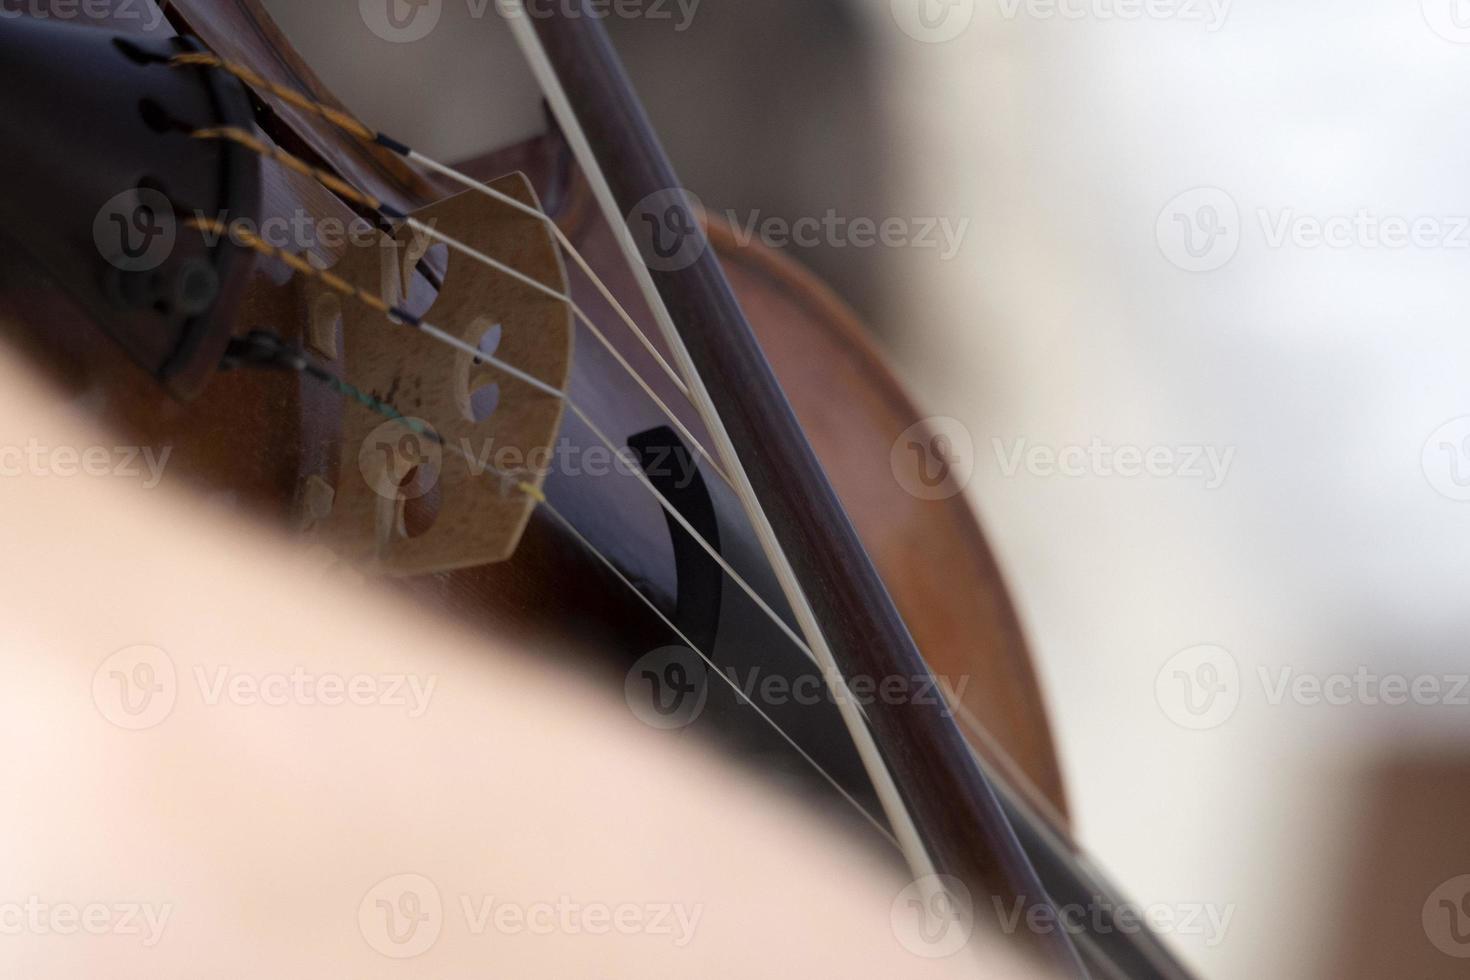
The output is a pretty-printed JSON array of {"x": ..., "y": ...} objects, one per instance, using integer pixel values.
[{"x": 1325, "y": 369}]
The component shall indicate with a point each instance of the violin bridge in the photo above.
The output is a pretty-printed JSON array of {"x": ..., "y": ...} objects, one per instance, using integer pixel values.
[{"x": 427, "y": 494}]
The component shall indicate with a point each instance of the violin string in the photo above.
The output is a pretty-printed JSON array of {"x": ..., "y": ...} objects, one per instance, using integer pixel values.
[
  {"x": 879, "y": 767},
  {"x": 396, "y": 314},
  {"x": 958, "y": 708},
  {"x": 355, "y": 127},
  {"x": 359, "y": 129},
  {"x": 911, "y": 845},
  {"x": 336, "y": 184},
  {"x": 854, "y": 715},
  {"x": 745, "y": 698},
  {"x": 260, "y": 348},
  {"x": 575, "y": 253}
]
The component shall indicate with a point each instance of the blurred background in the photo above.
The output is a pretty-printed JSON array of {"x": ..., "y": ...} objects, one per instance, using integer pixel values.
[{"x": 1191, "y": 273}]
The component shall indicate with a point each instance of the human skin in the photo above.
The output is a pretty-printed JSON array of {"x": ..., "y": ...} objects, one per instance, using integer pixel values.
[{"x": 259, "y": 827}]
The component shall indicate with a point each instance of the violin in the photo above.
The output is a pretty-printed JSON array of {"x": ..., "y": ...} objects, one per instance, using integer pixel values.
[{"x": 543, "y": 391}]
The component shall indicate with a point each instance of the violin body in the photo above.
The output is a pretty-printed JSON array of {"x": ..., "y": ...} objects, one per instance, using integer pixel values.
[
  {"x": 260, "y": 437},
  {"x": 285, "y": 450}
]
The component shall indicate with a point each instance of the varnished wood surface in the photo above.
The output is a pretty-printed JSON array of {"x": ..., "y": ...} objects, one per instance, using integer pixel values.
[{"x": 931, "y": 553}]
